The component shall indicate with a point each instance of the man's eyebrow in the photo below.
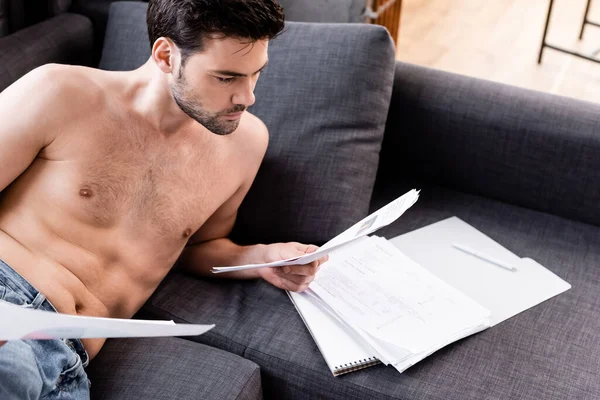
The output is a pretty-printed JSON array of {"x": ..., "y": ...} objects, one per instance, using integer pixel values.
[{"x": 233, "y": 73}]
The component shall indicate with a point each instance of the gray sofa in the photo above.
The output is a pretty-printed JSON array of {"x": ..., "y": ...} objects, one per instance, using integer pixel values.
[
  {"x": 520, "y": 166},
  {"x": 351, "y": 129},
  {"x": 35, "y": 32}
]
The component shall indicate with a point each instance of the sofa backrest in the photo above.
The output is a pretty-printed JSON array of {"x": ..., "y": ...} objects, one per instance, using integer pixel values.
[
  {"x": 4, "y": 22},
  {"x": 323, "y": 10},
  {"x": 324, "y": 98},
  {"x": 519, "y": 146},
  {"x": 126, "y": 43},
  {"x": 23, "y": 13},
  {"x": 66, "y": 38}
]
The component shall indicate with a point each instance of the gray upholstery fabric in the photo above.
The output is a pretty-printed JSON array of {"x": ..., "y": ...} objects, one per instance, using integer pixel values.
[
  {"x": 320, "y": 119},
  {"x": 16, "y": 16},
  {"x": 523, "y": 147},
  {"x": 56, "y": 7},
  {"x": 551, "y": 351},
  {"x": 171, "y": 368},
  {"x": 65, "y": 39},
  {"x": 97, "y": 11},
  {"x": 4, "y": 22},
  {"x": 126, "y": 44},
  {"x": 324, "y": 98},
  {"x": 323, "y": 10},
  {"x": 25, "y": 13},
  {"x": 357, "y": 9}
]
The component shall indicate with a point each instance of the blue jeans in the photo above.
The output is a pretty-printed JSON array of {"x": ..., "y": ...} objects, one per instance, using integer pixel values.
[{"x": 39, "y": 369}]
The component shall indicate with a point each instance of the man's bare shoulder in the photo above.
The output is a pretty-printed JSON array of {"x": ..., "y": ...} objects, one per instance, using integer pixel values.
[
  {"x": 67, "y": 89},
  {"x": 46, "y": 101},
  {"x": 252, "y": 137}
]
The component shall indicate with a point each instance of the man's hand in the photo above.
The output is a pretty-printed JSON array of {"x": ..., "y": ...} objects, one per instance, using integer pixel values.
[
  {"x": 295, "y": 278},
  {"x": 2, "y": 342}
]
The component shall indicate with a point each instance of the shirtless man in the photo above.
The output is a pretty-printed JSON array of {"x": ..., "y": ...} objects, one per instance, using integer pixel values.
[{"x": 110, "y": 178}]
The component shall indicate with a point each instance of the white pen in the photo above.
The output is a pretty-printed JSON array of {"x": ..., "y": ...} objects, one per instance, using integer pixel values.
[{"x": 485, "y": 257}]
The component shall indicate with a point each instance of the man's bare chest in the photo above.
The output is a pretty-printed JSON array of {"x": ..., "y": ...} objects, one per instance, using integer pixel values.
[{"x": 167, "y": 188}]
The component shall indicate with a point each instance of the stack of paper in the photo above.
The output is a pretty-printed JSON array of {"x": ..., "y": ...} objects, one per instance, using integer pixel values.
[
  {"x": 397, "y": 311},
  {"x": 398, "y": 301}
]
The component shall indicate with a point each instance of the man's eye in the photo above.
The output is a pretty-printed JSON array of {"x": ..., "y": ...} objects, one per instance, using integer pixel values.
[{"x": 225, "y": 80}]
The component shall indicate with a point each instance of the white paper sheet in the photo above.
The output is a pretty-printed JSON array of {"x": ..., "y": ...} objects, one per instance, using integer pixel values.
[
  {"x": 380, "y": 218},
  {"x": 375, "y": 287},
  {"x": 415, "y": 358},
  {"x": 504, "y": 293},
  {"x": 19, "y": 322},
  {"x": 355, "y": 302}
]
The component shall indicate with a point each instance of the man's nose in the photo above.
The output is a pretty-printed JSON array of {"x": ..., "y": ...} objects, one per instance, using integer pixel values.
[{"x": 245, "y": 95}]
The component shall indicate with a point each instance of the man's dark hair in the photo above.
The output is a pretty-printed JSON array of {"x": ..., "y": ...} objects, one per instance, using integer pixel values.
[{"x": 188, "y": 22}]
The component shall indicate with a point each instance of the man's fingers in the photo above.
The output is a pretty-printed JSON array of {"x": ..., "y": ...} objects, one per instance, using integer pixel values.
[
  {"x": 2, "y": 342},
  {"x": 308, "y": 269},
  {"x": 287, "y": 284},
  {"x": 305, "y": 248},
  {"x": 299, "y": 279},
  {"x": 295, "y": 287},
  {"x": 311, "y": 248}
]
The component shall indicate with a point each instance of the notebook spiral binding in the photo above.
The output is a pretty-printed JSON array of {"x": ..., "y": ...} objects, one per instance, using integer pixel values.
[{"x": 355, "y": 366}]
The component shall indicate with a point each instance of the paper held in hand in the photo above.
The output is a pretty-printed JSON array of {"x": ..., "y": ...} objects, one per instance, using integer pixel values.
[
  {"x": 25, "y": 323},
  {"x": 380, "y": 218}
]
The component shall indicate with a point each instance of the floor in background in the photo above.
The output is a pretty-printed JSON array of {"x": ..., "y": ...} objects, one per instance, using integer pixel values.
[{"x": 499, "y": 40}]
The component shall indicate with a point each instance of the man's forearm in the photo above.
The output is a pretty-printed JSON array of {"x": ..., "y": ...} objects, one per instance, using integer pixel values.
[{"x": 200, "y": 258}]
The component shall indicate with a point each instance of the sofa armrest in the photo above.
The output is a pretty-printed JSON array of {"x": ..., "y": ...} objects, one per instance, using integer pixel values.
[
  {"x": 65, "y": 39},
  {"x": 519, "y": 146},
  {"x": 171, "y": 368}
]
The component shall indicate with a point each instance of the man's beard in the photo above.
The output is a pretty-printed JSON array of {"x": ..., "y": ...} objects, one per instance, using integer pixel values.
[{"x": 194, "y": 110}]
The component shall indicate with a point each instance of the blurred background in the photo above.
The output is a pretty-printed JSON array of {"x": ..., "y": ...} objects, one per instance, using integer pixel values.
[
  {"x": 497, "y": 40},
  {"x": 500, "y": 40}
]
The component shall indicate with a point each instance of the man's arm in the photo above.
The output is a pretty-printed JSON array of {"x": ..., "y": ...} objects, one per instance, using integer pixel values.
[
  {"x": 30, "y": 114},
  {"x": 209, "y": 247},
  {"x": 200, "y": 256}
]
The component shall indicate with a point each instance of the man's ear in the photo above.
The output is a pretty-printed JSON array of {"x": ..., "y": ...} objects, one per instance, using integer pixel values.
[{"x": 164, "y": 53}]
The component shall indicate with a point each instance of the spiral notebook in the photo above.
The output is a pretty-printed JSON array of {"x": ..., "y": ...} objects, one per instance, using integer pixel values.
[
  {"x": 371, "y": 304},
  {"x": 343, "y": 352}
]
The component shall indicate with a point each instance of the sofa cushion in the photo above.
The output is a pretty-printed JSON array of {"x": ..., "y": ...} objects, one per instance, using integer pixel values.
[
  {"x": 65, "y": 39},
  {"x": 324, "y": 97},
  {"x": 171, "y": 368},
  {"x": 550, "y": 351}
]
